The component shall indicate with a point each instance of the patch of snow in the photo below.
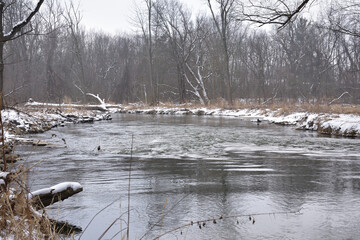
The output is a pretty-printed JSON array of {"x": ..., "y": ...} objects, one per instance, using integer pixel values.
[
  {"x": 3, "y": 175},
  {"x": 249, "y": 170}
]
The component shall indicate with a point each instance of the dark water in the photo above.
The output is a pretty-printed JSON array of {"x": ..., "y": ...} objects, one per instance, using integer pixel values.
[{"x": 202, "y": 168}]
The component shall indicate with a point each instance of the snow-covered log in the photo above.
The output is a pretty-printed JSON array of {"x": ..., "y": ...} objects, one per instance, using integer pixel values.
[
  {"x": 63, "y": 105},
  {"x": 47, "y": 196}
]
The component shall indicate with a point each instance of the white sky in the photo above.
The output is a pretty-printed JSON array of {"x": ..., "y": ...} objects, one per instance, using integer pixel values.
[{"x": 113, "y": 16}]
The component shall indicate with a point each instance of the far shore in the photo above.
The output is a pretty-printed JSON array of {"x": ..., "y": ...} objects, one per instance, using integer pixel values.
[{"x": 333, "y": 120}]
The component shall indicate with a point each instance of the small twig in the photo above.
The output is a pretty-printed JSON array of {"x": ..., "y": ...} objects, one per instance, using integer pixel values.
[
  {"x": 110, "y": 226},
  {"x": 96, "y": 215},
  {"x": 163, "y": 214},
  {"x": 117, "y": 233},
  {"x": 175, "y": 205},
  {"x": 220, "y": 218},
  {"x": 14, "y": 90}
]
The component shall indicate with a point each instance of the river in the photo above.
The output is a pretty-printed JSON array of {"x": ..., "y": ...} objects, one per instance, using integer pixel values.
[{"x": 191, "y": 168}]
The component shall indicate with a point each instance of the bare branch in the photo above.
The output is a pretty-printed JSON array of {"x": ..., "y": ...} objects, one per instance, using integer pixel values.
[
  {"x": 279, "y": 13},
  {"x": 10, "y": 35}
]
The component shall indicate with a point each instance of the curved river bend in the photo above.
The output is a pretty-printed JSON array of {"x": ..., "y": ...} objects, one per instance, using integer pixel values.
[{"x": 201, "y": 168}]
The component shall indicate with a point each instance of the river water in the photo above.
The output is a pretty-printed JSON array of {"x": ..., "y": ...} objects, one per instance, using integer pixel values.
[{"x": 194, "y": 168}]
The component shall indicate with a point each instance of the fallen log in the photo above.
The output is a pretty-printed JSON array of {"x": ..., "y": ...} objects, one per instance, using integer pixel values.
[
  {"x": 40, "y": 143},
  {"x": 66, "y": 106},
  {"x": 47, "y": 196}
]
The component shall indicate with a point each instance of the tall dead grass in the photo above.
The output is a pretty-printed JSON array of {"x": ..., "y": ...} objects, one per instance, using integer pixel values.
[
  {"x": 282, "y": 107},
  {"x": 18, "y": 219}
]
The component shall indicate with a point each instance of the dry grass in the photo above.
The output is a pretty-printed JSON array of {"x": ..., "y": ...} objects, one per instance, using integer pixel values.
[
  {"x": 68, "y": 100},
  {"x": 316, "y": 108},
  {"x": 18, "y": 219},
  {"x": 282, "y": 108}
]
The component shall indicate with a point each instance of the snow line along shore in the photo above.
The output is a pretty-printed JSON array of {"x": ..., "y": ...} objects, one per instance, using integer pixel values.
[
  {"x": 42, "y": 119},
  {"x": 19, "y": 122},
  {"x": 346, "y": 125}
]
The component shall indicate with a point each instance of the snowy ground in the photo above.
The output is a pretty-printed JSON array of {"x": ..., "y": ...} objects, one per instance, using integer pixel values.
[
  {"x": 19, "y": 122},
  {"x": 332, "y": 124}
]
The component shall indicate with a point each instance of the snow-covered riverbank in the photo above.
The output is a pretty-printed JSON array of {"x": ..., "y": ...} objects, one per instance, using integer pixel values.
[
  {"x": 347, "y": 125},
  {"x": 43, "y": 118},
  {"x": 19, "y": 122}
]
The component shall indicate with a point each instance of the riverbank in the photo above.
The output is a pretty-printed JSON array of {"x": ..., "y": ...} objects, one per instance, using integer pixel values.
[
  {"x": 36, "y": 117},
  {"x": 25, "y": 220},
  {"x": 335, "y": 124},
  {"x": 25, "y": 120}
]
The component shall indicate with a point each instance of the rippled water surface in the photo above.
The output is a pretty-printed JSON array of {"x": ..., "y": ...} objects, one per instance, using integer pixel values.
[{"x": 190, "y": 168}]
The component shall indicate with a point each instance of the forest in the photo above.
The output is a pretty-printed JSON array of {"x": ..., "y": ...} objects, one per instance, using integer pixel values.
[{"x": 177, "y": 56}]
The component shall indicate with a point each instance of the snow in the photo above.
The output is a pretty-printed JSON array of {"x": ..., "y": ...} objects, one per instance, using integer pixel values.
[
  {"x": 3, "y": 175},
  {"x": 332, "y": 124},
  {"x": 40, "y": 120},
  {"x": 75, "y": 186},
  {"x": 17, "y": 24}
]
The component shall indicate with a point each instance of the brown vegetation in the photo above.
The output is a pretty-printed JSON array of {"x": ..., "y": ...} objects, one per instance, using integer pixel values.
[
  {"x": 18, "y": 219},
  {"x": 282, "y": 108}
]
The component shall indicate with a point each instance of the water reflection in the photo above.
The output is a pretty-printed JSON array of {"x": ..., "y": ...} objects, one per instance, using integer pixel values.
[{"x": 217, "y": 166}]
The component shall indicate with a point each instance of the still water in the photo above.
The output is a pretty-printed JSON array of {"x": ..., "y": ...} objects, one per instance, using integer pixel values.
[{"x": 192, "y": 168}]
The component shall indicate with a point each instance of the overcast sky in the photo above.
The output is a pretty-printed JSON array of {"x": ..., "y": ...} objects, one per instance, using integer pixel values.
[{"x": 113, "y": 16}]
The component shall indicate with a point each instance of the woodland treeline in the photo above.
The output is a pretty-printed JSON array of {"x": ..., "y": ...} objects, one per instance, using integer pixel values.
[{"x": 179, "y": 57}]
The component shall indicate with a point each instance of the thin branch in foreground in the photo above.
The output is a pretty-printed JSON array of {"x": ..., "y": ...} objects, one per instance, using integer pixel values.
[
  {"x": 172, "y": 208},
  {"x": 213, "y": 220},
  {"x": 128, "y": 219},
  {"x": 97, "y": 215},
  {"x": 110, "y": 226}
]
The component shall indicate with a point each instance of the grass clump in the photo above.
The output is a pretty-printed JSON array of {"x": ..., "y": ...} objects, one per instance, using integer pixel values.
[{"x": 18, "y": 219}]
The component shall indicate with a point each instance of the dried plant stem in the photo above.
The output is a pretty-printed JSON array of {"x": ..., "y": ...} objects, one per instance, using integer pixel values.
[
  {"x": 221, "y": 218},
  {"x": 96, "y": 215},
  {"x": 152, "y": 227},
  {"x": 129, "y": 189}
]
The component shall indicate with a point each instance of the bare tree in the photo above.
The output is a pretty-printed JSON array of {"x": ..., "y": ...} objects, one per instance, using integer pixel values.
[
  {"x": 226, "y": 12},
  {"x": 175, "y": 21},
  {"x": 146, "y": 24},
  {"x": 344, "y": 17},
  {"x": 73, "y": 18},
  {"x": 53, "y": 24},
  {"x": 197, "y": 61},
  {"x": 12, "y": 34}
]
